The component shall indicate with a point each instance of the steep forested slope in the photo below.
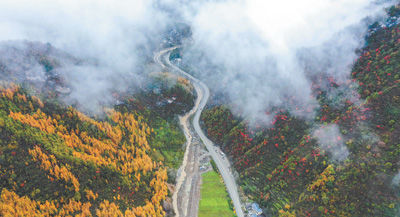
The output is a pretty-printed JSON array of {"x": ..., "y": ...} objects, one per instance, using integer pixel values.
[
  {"x": 62, "y": 162},
  {"x": 56, "y": 161},
  {"x": 340, "y": 164}
]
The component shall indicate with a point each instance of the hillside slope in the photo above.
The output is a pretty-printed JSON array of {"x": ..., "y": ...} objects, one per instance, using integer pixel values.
[
  {"x": 62, "y": 162},
  {"x": 342, "y": 163},
  {"x": 56, "y": 161}
]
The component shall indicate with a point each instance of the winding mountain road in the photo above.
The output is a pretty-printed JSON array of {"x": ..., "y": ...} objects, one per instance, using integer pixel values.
[{"x": 203, "y": 93}]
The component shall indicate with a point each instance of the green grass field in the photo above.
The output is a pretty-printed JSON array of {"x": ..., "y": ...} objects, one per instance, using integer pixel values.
[{"x": 214, "y": 198}]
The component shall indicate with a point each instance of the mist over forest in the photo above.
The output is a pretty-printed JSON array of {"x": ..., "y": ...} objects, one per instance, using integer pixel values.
[{"x": 304, "y": 102}]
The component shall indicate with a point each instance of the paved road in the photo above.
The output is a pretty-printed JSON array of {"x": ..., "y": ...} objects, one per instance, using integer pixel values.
[{"x": 203, "y": 94}]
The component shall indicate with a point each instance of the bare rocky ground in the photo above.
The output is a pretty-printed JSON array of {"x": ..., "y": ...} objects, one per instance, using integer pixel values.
[{"x": 196, "y": 162}]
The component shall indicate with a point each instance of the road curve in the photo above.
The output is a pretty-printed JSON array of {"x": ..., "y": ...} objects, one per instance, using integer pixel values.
[{"x": 203, "y": 93}]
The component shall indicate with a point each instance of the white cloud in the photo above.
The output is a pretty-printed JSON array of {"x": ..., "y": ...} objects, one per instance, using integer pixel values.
[
  {"x": 265, "y": 52},
  {"x": 331, "y": 140},
  {"x": 256, "y": 51},
  {"x": 115, "y": 35}
]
